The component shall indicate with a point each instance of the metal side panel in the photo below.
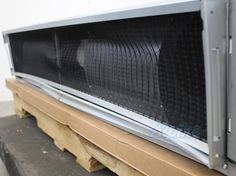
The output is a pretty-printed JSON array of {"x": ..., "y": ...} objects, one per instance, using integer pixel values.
[
  {"x": 214, "y": 42},
  {"x": 231, "y": 148},
  {"x": 161, "y": 7},
  {"x": 9, "y": 53}
]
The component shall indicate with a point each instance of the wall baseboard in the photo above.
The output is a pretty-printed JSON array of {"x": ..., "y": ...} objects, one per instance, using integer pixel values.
[{"x": 6, "y": 108}]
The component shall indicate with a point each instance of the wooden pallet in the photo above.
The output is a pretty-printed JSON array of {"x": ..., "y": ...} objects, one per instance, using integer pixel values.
[
  {"x": 87, "y": 154},
  {"x": 96, "y": 144}
]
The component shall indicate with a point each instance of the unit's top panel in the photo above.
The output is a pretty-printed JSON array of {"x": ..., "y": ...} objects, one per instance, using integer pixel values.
[{"x": 161, "y": 7}]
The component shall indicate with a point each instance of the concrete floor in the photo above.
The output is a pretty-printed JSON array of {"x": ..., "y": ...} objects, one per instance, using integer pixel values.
[{"x": 6, "y": 109}]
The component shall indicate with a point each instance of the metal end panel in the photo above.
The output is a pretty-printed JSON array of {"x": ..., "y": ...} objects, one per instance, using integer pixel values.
[
  {"x": 214, "y": 41},
  {"x": 231, "y": 148}
]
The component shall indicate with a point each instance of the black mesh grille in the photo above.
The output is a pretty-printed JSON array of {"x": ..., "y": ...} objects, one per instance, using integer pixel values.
[
  {"x": 153, "y": 66},
  {"x": 35, "y": 53}
]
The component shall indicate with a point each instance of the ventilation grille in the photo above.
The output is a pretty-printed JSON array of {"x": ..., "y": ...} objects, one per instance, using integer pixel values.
[{"x": 153, "y": 66}]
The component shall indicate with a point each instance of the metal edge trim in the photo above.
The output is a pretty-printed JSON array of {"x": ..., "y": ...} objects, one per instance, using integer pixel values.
[{"x": 153, "y": 125}]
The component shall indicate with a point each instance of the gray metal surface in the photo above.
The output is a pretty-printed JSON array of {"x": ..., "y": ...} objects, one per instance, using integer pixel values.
[
  {"x": 231, "y": 148},
  {"x": 214, "y": 19},
  {"x": 9, "y": 54}
]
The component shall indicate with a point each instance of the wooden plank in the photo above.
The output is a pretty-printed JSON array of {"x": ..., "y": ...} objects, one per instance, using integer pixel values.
[
  {"x": 115, "y": 165},
  {"x": 135, "y": 152},
  {"x": 87, "y": 154}
]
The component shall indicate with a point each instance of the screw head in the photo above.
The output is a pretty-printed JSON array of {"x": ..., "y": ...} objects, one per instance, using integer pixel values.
[{"x": 225, "y": 166}]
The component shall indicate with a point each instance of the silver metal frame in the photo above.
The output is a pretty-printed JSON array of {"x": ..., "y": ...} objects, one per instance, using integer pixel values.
[{"x": 215, "y": 15}]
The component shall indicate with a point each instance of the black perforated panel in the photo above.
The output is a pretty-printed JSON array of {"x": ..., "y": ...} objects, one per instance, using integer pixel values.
[{"x": 153, "y": 66}]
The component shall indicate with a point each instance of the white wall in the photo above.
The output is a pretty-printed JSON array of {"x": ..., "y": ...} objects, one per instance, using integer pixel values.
[{"x": 19, "y": 13}]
